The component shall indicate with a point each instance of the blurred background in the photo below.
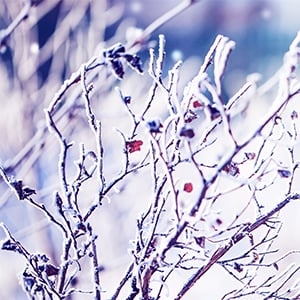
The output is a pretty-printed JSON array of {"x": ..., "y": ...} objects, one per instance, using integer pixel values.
[
  {"x": 262, "y": 30},
  {"x": 53, "y": 41}
]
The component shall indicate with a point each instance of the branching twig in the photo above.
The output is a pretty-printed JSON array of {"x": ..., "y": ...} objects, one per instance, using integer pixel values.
[{"x": 220, "y": 252}]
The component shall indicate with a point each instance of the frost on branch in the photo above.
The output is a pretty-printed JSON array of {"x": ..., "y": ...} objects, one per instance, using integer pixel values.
[
  {"x": 239, "y": 170},
  {"x": 196, "y": 180}
]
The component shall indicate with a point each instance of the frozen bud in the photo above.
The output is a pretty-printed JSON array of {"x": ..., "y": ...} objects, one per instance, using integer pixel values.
[
  {"x": 127, "y": 99},
  {"x": 81, "y": 226},
  {"x": 294, "y": 115},
  {"x": 238, "y": 267},
  {"x": 154, "y": 125}
]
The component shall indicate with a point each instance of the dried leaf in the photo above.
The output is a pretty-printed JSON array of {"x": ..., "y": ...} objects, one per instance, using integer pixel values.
[
  {"x": 49, "y": 269},
  {"x": 117, "y": 68},
  {"x": 200, "y": 241},
  {"x": 10, "y": 245},
  {"x": 114, "y": 52},
  {"x": 250, "y": 155},
  {"x": 238, "y": 267},
  {"x": 28, "y": 191},
  {"x": 28, "y": 281},
  {"x": 133, "y": 146},
  {"x": 187, "y": 132},
  {"x": 232, "y": 169},
  {"x": 22, "y": 191},
  {"x": 255, "y": 257},
  {"x": 197, "y": 104},
  {"x": 190, "y": 117},
  {"x": 134, "y": 62},
  {"x": 284, "y": 173},
  {"x": 154, "y": 125},
  {"x": 214, "y": 112}
]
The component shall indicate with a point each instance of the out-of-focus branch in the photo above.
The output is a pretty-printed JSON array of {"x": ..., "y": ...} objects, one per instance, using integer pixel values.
[
  {"x": 182, "y": 6},
  {"x": 23, "y": 15}
]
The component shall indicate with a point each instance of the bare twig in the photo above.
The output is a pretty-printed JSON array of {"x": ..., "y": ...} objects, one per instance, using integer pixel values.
[{"x": 220, "y": 252}]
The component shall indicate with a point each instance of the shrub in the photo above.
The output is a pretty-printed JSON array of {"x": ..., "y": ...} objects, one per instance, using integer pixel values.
[{"x": 203, "y": 180}]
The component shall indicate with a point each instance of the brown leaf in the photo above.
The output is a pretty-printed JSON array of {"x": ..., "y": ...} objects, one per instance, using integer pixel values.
[
  {"x": 250, "y": 155},
  {"x": 187, "y": 132},
  {"x": 133, "y": 146},
  {"x": 284, "y": 173},
  {"x": 232, "y": 169},
  {"x": 197, "y": 104},
  {"x": 200, "y": 241}
]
